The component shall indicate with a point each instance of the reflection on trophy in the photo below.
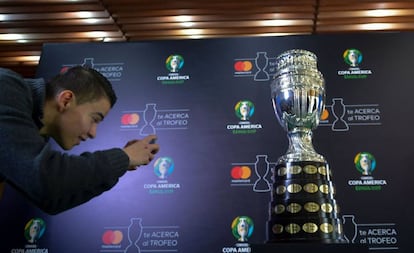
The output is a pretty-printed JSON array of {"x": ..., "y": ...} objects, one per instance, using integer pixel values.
[{"x": 302, "y": 206}]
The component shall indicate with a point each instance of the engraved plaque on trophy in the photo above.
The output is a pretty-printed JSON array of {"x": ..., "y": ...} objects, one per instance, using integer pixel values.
[{"x": 302, "y": 206}]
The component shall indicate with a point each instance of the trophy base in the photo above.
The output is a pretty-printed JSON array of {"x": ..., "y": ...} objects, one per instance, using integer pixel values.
[
  {"x": 303, "y": 208},
  {"x": 301, "y": 230}
]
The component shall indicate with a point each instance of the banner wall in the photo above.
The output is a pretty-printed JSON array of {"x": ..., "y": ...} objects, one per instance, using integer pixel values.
[{"x": 218, "y": 165}]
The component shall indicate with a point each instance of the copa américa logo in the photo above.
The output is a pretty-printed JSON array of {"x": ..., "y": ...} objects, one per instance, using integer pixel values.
[
  {"x": 34, "y": 230},
  {"x": 366, "y": 163},
  {"x": 244, "y": 110},
  {"x": 242, "y": 228},
  {"x": 163, "y": 167},
  {"x": 353, "y": 58},
  {"x": 174, "y": 63}
]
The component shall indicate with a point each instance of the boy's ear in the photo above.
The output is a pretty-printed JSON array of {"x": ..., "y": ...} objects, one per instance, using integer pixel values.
[{"x": 65, "y": 99}]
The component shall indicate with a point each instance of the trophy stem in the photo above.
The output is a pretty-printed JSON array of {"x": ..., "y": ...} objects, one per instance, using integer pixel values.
[{"x": 301, "y": 147}]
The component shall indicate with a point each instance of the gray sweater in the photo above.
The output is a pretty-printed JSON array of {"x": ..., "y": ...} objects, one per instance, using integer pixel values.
[{"x": 54, "y": 181}]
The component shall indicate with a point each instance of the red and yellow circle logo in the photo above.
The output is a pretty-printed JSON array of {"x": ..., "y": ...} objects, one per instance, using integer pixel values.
[
  {"x": 243, "y": 66},
  {"x": 241, "y": 172},
  {"x": 112, "y": 237},
  {"x": 130, "y": 119}
]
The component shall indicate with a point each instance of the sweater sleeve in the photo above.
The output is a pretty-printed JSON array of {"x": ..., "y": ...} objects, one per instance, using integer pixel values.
[
  {"x": 66, "y": 181},
  {"x": 53, "y": 180}
]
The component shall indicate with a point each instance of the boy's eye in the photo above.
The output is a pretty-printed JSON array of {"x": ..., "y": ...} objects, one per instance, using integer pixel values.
[{"x": 96, "y": 119}]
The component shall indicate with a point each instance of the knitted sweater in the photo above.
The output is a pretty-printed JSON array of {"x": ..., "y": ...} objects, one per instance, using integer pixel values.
[{"x": 52, "y": 180}]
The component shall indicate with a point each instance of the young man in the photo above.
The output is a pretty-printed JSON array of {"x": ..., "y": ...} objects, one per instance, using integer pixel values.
[{"x": 67, "y": 109}]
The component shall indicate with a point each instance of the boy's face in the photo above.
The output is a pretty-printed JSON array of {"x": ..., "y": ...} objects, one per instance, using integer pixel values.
[{"x": 79, "y": 122}]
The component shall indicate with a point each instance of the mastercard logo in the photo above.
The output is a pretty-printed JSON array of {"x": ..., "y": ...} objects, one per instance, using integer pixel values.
[
  {"x": 243, "y": 66},
  {"x": 130, "y": 119},
  {"x": 325, "y": 114},
  {"x": 241, "y": 172},
  {"x": 112, "y": 237}
]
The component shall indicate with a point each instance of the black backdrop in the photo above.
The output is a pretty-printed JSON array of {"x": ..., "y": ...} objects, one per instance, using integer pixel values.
[{"x": 218, "y": 164}]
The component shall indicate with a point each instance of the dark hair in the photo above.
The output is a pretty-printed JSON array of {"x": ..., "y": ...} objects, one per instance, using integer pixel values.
[{"x": 86, "y": 83}]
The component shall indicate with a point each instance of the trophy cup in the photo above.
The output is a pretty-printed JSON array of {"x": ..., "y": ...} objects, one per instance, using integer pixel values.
[{"x": 302, "y": 207}]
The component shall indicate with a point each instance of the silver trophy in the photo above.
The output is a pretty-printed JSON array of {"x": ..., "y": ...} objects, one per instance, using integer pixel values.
[{"x": 302, "y": 206}]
